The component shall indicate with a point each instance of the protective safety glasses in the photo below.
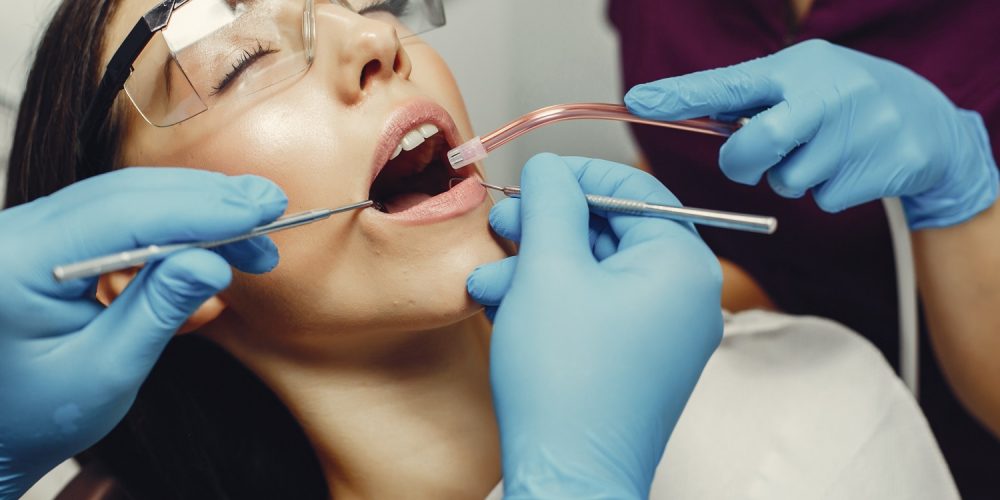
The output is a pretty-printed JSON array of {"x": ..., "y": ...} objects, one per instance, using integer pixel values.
[{"x": 187, "y": 56}]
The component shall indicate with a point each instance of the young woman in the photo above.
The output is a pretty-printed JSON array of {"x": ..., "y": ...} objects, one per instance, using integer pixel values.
[
  {"x": 365, "y": 331},
  {"x": 357, "y": 368}
]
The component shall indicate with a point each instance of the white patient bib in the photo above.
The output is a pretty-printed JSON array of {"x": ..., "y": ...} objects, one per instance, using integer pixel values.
[{"x": 799, "y": 408}]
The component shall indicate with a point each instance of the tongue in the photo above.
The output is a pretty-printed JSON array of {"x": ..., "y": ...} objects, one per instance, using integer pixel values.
[{"x": 405, "y": 201}]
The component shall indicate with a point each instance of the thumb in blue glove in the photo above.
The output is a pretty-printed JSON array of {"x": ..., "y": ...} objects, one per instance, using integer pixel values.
[
  {"x": 848, "y": 126},
  {"x": 603, "y": 327},
  {"x": 69, "y": 368}
]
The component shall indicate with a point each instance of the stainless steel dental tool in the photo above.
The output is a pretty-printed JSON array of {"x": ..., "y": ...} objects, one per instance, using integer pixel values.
[
  {"x": 132, "y": 258},
  {"x": 715, "y": 218}
]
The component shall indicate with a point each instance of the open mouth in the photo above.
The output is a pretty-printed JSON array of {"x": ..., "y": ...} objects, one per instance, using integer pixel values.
[{"x": 417, "y": 171}]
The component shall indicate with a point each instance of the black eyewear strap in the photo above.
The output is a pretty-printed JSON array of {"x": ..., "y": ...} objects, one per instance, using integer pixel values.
[{"x": 119, "y": 70}]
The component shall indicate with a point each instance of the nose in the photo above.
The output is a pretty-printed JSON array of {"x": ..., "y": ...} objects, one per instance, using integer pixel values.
[{"x": 358, "y": 54}]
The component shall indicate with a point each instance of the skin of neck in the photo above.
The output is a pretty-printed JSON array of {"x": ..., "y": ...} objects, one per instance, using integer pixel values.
[{"x": 389, "y": 415}]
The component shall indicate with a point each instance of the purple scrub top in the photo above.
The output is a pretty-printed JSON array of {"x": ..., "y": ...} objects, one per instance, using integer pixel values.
[{"x": 837, "y": 266}]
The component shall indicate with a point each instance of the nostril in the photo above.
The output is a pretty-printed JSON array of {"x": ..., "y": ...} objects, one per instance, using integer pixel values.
[
  {"x": 397, "y": 63},
  {"x": 371, "y": 69}
]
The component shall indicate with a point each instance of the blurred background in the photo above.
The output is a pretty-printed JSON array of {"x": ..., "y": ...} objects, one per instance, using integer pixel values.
[{"x": 509, "y": 57}]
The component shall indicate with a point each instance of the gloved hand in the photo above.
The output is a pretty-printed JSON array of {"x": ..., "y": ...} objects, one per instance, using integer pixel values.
[
  {"x": 850, "y": 127},
  {"x": 603, "y": 327},
  {"x": 70, "y": 368}
]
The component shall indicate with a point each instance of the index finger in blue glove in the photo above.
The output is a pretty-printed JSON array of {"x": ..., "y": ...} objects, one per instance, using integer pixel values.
[
  {"x": 183, "y": 214},
  {"x": 608, "y": 178},
  {"x": 257, "y": 255},
  {"x": 554, "y": 213},
  {"x": 706, "y": 93},
  {"x": 118, "y": 221},
  {"x": 153, "y": 179},
  {"x": 621, "y": 181},
  {"x": 505, "y": 219},
  {"x": 136, "y": 213}
]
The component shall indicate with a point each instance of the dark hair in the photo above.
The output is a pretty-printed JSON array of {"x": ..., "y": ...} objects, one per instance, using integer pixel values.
[
  {"x": 62, "y": 80},
  {"x": 202, "y": 425}
]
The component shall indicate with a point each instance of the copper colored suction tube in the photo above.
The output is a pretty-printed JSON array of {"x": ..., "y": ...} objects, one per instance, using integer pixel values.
[{"x": 597, "y": 111}]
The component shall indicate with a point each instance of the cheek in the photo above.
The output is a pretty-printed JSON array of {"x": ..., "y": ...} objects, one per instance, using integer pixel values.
[
  {"x": 294, "y": 139},
  {"x": 331, "y": 280}
]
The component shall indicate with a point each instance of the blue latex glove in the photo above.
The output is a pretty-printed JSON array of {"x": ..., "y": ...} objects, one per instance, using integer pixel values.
[
  {"x": 848, "y": 126},
  {"x": 603, "y": 327},
  {"x": 70, "y": 368}
]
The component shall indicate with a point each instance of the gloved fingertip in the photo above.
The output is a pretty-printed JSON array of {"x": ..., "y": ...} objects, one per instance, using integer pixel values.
[
  {"x": 479, "y": 283},
  {"x": 256, "y": 256},
  {"x": 740, "y": 177},
  {"x": 505, "y": 212},
  {"x": 783, "y": 190},
  {"x": 665, "y": 99},
  {"x": 732, "y": 168},
  {"x": 645, "y": 96},
  {"x": 268, "y": 255},
  {"x": 546, "y": 173},
  {"x": 474, "y": 285},
  {"x": 829, "y": 204},
  {"x": 266, "y": 194},
  {"x": 541, "y": 160},
  {"x": 498, "y": 223},
  {"x": 489, "y": 283},
  {"x": 507, "y": 224},
  {"x": 788, "y": 193}
]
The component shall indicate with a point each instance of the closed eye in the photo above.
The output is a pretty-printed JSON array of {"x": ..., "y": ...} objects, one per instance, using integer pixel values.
[{"x": 246, "y": 59}]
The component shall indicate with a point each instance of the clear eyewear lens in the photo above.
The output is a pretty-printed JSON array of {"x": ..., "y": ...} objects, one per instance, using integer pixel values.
[{"x": 216, "y": 51}]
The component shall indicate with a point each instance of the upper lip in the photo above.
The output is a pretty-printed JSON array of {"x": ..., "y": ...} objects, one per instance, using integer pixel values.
[{"x": 406, "y": 118}]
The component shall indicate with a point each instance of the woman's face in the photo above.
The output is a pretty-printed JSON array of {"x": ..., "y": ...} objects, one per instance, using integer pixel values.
[{"x": 323, "y": 136}]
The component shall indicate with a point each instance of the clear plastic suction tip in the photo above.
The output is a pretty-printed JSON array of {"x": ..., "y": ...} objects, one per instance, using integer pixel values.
[{"x": 467, "y": 154}]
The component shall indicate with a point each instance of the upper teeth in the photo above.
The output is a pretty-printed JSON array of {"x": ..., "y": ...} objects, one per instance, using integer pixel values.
[{"x": 414, "y": 138}]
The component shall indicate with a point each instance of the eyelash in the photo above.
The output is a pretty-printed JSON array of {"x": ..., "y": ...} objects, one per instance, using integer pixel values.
[
  {"x": 394, "y": 7},
  {"x": 246, "y": 59}
]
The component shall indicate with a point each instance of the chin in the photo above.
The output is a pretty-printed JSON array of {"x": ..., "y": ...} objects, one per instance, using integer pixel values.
[{"x": 428, "y": 286}]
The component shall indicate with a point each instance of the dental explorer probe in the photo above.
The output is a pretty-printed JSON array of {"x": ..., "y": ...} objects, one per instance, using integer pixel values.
[
  {"x": 131, "y": 258},
  {"x": 479, "y": 147},
  {"x": 715, "y": 218}
]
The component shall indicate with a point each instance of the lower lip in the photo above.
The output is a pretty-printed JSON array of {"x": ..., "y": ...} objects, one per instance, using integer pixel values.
[{"x": 459, "y": 200}]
